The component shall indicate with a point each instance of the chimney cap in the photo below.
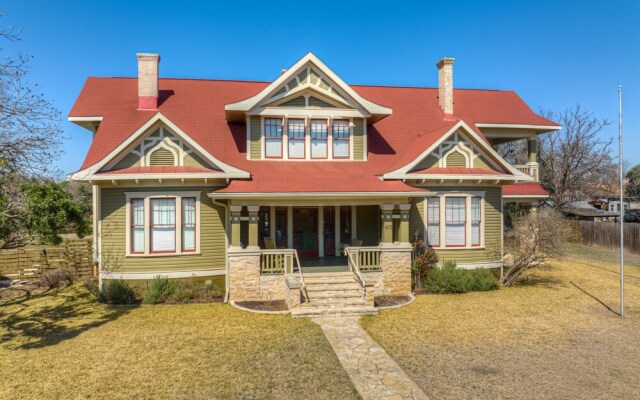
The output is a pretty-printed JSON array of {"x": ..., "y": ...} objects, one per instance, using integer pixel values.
[
  {"x": 445, "y": 61},
  {"x": 148, "y": 56}
]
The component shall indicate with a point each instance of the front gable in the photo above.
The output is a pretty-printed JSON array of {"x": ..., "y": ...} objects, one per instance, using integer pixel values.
[{"x": 460, "y": 150}]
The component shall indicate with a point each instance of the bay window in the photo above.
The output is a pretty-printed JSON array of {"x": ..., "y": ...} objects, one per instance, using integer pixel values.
[
  {"x": 273, "y": 138},
  {"x": 319, "y": 137},
  {"x": 340, "y": 130},
  {"x": 454, "y": 221},
  {"x": 295, "y": 136},
  {"x": 162, "y": 224}
]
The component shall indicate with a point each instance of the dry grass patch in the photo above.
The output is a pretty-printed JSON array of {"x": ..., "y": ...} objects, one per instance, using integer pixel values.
[
  {"x": 554, "y": 336},
  {"x": 62, "y": 344}
]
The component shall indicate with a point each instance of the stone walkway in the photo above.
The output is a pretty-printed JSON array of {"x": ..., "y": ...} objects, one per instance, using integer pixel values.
[{"x": 372, "y": 371}]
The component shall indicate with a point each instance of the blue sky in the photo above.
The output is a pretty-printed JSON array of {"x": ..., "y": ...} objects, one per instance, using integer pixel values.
[{"x": 554, "y": 54}]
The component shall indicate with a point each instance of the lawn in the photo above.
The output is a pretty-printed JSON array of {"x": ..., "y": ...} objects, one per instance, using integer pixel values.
[
  {"x": 554, "y": 336},
  {"x": 62, "y": 344}
]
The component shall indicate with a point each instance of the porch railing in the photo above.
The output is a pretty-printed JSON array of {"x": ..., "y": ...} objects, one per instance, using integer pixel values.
[
  {"x": 282, "y": 261},
  {"x": 367, "y": 259},
  {"x": 523, "y": 168}
]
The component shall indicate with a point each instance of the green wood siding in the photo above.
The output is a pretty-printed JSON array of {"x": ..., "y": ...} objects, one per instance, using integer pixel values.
[
  {"x": 416, "y": 221},
  {"x": 296, "y": 102},
  {"x": 429, "y": 161},
  {"x": 456, "y": 159},
  {"x": 316, "y": 102},
  {"x": 130, "y": 160},
  {"x": 492, "y": 229},
  {"x": 194, "y": 160},
  {"x": 114, "y": 225},
  {"x": 358, "y": 139},
  {"x": 255, "y": 133},
  {"x": 368, "y": 225}
]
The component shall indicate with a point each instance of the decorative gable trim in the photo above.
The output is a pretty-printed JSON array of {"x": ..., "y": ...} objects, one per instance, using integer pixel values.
[
  {"x": 443, "y": 147},
  {"x": 308, "y": 63},
  {"x": 227, "y": 170}
]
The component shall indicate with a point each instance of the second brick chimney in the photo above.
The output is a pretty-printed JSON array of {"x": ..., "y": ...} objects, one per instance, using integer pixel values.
[
  {"x": 445, "y": 85},
  {"x": 148, "y": 81}
]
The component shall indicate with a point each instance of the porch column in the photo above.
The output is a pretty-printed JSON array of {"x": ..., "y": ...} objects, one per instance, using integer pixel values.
[
  {"x": 387, "y": 223},
  {"x": 532, "y": 161},
  {"x": 253, "y": 227},
  {"x": 534, "y": 207},
  {"x": 235, "y": 226},
  {"x": 403, "y": 234}
]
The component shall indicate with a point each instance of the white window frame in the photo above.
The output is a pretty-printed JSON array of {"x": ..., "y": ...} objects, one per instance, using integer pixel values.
[
  {"x": 468, "y": 235},
  {"x": 146, "y": 197}
]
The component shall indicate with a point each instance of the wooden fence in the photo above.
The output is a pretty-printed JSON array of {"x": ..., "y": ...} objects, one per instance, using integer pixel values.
[
  {"x": 607, "y": 234},
  {"x": 30, "y": 262}
]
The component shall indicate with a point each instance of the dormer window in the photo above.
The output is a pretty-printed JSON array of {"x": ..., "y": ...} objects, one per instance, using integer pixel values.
[
  {"x": 273, "y": 137},
  {"x": 319, "y": 138},
  {"x": 295, "y": 136},
  {"x": 340, "y": 132}
]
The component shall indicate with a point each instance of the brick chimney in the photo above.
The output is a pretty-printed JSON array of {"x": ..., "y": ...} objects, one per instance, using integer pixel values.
[
  {"x": 148, "y": 81},
  {"x": 445, "y": 85}
]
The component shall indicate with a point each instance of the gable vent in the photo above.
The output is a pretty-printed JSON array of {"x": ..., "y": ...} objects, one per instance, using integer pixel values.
[
  {"x": 162, "y": 156},
  {"x": 456, "y": 160}
]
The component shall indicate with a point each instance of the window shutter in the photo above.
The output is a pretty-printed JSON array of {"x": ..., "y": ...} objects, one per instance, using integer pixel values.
[
  {"x": 456, "y": 160},
  {"x": 162, "y": 156}
]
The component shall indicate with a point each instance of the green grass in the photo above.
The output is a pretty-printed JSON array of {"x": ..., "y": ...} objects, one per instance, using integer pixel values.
[
  {"x": 62, "y": 344},
  {"x": 554, "y": 336}
]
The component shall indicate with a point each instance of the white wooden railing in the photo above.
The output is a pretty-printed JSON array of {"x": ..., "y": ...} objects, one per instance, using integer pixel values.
[
  {"x": 523, "y": 168},
  {"x": 366, "y": 258},
  {"x": 282, "y": 261}
]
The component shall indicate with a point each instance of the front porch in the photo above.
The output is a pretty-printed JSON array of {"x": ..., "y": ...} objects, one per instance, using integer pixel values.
[{"x": 319, "y": 258}]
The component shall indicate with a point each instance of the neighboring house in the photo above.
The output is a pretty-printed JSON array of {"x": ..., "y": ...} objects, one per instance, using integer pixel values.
[
  {"x": 235, "y": 180},
  {"x": 583, "y": 211},
  {"x": 629, "y": 203}
]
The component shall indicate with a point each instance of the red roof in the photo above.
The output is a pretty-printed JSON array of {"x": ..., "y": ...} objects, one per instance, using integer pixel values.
[
  {"x": 524, "y": 189},
  {"x": 197, "y": 108},
  {"x": 457, "y": 171}
]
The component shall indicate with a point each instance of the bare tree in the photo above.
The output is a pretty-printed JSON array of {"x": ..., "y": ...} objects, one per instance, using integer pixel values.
[
  {"x": 533, "y": 238},
  {"x": 515, "y": 152},
  {"x": 575, "y": 160}
]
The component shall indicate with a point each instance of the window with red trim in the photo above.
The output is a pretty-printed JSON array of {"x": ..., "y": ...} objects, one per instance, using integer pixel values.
[
  {"x": 295, "y": 136},
  {"x": 188, "y": 224},
  {"x": 340, "y": 130},
  {"x": 273, "y": 137},
  {"x": 319, "y": 137},
  {"x": 137, "y": 226},
  {"x": 163, "y": 225}
]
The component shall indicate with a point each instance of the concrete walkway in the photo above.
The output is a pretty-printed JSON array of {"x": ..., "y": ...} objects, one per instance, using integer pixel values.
[{"x": 372, "y": 371}]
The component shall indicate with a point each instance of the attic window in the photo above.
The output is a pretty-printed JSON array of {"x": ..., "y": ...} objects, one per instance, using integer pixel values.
[
  {"x": 162, "y": 156},
  {"x": 456, "y": 159}
]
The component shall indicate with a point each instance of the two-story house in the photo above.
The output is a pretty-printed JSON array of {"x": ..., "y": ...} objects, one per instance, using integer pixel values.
[{"x": 268, "y": 188}]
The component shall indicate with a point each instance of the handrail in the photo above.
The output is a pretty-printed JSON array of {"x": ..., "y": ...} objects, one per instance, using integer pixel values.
[
  {"x": 354, "y": 268},
  {"x": 303, "y": 285}
]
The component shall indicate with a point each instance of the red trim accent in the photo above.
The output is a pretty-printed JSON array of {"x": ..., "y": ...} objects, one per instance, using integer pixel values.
[
  {"x": 151, "y": 225},
  {"x": 147, "y": 102},
  {"x": 195, "y": 224},
  {"x": 132, "y": 226}
]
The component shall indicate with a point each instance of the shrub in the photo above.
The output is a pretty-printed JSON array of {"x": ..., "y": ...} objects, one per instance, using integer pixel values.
[
  {"x": 451, "y": 279},
  {"x": 424, "y": 259},
  {"x": 484, "y": 280},
  {"x": 190, "y": 291},
  {"x": 56, "y": 278},
  {"x": 160, "y": 289},
  {"x": 116, "y": 292},
  {"x": 91, "y": 285}
]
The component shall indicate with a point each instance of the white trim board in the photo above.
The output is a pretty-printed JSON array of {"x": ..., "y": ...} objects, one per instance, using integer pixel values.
[{"x": 168, "y": 274}]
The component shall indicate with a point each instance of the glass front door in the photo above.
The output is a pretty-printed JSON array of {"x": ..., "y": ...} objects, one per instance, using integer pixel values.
[{"x": 305, "y": 231}]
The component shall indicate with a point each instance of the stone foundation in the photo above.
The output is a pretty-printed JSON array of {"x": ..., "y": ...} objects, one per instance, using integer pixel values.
[
  {"x": 247, "y": 284},
  {"x": 396, "y": 270}
]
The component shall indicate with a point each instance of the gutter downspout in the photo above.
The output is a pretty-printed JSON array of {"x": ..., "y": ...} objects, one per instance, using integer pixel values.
[{"x": 226, "y": 244}]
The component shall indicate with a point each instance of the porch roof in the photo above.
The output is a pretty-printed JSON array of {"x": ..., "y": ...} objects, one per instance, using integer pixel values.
[{"x": 525, "y": 189}]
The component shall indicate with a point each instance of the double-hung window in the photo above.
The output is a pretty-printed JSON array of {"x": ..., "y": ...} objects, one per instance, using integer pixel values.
[
  {"x": 295, "y": 136},
  {"x": 273, "y": 138},
  {"x": 188, "y": 224},
  {"x": 340, "y": 138},
  {"x": 455, "y": 214},
  {"x": 162, "y": 224},
  {"x": 137, "y": 226},
  {"x": 319, "y": 137},
  {"x": 476, "y": 216},
  {"x": 433, "y": 221}
]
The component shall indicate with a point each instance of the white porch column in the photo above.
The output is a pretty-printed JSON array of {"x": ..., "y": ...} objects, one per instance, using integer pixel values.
[{"x": 532, "y": 162}]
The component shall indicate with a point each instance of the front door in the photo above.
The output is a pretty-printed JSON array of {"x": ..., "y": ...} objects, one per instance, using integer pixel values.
[{"x": 305, "y": 231}]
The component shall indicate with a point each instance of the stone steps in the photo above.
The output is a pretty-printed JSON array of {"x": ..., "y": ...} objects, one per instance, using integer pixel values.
[
  {"x": 322, "y": 311},
  {"x": 323, "y": 287},
  {"x": 351, "y": 293},
  {"x": 334, "y": 302}
]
